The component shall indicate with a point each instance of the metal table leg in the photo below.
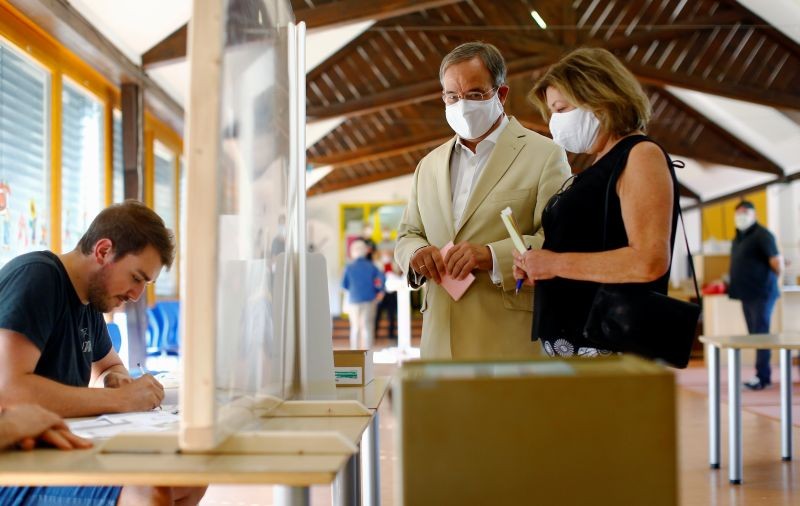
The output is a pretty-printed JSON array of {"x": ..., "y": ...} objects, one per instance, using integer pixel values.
[
  {"x": 713, "y": 406},
  {"x": 370, "y": 462},
  {"x": 735, "y": 416},
  {"x": 291, "y": 496},
  {"x": 347, "y": 485},
  {"x": 786, "y": 404}
]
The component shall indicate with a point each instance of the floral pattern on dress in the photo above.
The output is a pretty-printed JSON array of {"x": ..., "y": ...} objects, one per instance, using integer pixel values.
[{"x": 564, "y": 348}]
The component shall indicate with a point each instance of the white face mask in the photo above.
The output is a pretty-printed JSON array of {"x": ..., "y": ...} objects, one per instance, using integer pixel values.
[
  {"x": 575, "y": 130},
  {"x": 471, "y": 119},
  {"x": 744, "y": 220}
]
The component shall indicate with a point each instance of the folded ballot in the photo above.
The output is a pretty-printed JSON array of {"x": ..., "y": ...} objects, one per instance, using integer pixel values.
[
  {"x": 513, "y": 230},
  {"x": 453, "y": 286}
]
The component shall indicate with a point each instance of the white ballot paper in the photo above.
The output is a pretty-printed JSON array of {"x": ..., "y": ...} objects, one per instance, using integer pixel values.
[{"x": 106, "y": 426}]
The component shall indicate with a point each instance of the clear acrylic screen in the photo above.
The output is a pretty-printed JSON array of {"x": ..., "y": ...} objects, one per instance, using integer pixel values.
[{"x": 255, "y": 326}]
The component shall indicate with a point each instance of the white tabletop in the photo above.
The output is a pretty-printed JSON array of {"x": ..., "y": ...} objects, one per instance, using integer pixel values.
[{"x": 788, "y": 340}]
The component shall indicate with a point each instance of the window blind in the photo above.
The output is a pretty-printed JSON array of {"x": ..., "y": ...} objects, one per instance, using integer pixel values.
[
  {"x": 82, "y": 163},
  {"x": 165, "y": 205},
  {"x": 24, "y": 154}
]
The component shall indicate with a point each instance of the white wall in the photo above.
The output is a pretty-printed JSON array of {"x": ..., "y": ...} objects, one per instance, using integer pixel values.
[
  {"x": 681, "y": 273},
  {"x": 324, "y": 221},
  {"x": 783, "y": 208}
]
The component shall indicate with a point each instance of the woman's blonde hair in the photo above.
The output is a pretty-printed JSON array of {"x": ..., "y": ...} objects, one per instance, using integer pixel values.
[{"x": 594, "y": 79}]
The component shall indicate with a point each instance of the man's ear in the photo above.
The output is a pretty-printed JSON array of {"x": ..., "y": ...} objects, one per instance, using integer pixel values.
[
  {"x": 502, "y": 93},
  {"x": 103, "y": 251}
]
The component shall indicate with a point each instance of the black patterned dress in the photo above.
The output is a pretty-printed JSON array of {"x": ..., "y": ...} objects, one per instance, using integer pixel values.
[{"x": 573, "y": 222}]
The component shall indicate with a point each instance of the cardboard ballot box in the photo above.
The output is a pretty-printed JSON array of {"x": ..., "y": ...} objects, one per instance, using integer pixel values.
[
  {"x": 352, "y": 367},
  {"x": 596, "y": 431}
]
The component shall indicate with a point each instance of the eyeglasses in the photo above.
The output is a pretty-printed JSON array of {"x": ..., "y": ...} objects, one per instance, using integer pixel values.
[
  {"x": 451, "y": 97},
  {"x": 565, "y": 186}
]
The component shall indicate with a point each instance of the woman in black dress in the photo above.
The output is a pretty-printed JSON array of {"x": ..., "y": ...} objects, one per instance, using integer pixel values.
[{"x": 596, "y": 106}]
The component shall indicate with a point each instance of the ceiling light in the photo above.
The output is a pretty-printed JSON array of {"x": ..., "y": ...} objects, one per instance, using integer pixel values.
[{"x": 539, "y": 21}]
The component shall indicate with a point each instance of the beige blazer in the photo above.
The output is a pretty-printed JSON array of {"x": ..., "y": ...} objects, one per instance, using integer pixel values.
[{"x": 489, "y": 321}]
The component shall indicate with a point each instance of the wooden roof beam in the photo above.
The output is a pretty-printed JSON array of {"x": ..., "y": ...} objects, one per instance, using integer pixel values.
[
  {"x": 762, "y": 164},
  {"x": 686, "y": 192},
  {"x": 664, "y": 77},
  {"x": 353, "y": 11},
  {"x": 321, "y": 187},
  {"x": 642, "y": 36},
  {"x": 737, "y": 193},
  {"x": 414, "y": 93},
  {"x": 382, "y": 150},
  {"x": 173, "y": 47}
]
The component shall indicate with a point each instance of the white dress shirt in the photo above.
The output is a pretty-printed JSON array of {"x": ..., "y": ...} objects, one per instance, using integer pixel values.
[{"x": 465, "y": 170}]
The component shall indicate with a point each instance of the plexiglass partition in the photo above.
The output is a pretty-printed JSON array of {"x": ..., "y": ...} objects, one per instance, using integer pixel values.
[{"x": 239, "y": 256}]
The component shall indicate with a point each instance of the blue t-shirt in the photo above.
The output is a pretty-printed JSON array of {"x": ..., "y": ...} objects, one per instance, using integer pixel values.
[
  {"x": 752, "y": 278},
  {"x": 362, "y": 280},
  {"x": 37, "y": 299}
]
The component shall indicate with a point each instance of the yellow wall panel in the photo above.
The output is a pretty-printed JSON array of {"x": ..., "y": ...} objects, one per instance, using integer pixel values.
[{"x": 718, "y": 218}]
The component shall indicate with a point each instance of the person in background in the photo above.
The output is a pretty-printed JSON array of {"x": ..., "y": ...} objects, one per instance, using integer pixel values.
[
  {"x": 756, "y": 266},
  {"x": 54, "y": 342},
  {"x": 364, "y": 283},
  {"x": 27, "y": 426},
  {"x": 388, "y": 303},
  {"x": 595, "y": 105},
  {"x": 457, "y": 193}
]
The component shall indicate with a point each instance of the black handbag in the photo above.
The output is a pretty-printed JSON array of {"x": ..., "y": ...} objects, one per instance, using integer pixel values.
[{"x": 631, "y": 318}]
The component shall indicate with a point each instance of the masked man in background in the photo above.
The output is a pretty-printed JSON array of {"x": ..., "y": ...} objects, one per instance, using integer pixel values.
[{"x": 756, "y": 265}]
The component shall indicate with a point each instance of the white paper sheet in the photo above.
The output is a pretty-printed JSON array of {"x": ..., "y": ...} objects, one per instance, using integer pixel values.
[{"x": 106, "y": 426}]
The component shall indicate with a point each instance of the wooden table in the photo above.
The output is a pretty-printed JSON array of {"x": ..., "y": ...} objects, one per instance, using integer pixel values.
[
  {"x": 784, "y": 343},
  {"x": 291, "y": 473}
]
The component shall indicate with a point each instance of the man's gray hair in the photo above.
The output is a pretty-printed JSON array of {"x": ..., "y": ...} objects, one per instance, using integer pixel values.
[{"x": 488, "y": 53}]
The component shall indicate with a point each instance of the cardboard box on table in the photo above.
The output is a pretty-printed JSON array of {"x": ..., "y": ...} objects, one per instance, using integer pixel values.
[
  {"x": 596, "y": 431},
  {"x": 352, "y": 368}
]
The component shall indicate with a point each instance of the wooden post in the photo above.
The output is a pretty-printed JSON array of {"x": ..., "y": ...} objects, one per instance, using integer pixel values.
[{"x": 132, "y": 135}]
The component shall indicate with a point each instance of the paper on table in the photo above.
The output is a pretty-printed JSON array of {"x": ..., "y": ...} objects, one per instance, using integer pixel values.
[
  {"x": 453, "y": 286},
  {"x": 107, "y": 426},
  {"x": 513, "y": 229}
]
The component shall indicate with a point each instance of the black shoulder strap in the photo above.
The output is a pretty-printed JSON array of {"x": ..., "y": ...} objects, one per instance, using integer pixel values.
[{"x": 672, "y": 165}]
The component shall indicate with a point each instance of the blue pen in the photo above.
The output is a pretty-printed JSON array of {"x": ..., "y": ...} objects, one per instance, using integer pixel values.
[
  {"x": 519, "y": 281},
  {"x": 142, "y": 372}
]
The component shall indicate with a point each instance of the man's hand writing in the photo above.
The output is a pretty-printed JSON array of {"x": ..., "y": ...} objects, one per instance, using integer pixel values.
[{"x": 141, "y": 394}]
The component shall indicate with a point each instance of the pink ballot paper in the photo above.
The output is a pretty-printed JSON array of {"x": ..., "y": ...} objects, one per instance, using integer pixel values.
[{"x": 454, "y": 287}]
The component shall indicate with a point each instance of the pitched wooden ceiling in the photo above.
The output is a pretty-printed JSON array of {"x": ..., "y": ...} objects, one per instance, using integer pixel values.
[{"x": 385, "y": 82}]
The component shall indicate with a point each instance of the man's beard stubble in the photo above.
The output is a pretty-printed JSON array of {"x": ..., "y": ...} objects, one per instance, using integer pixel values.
[{"x": 99, "y": 297}]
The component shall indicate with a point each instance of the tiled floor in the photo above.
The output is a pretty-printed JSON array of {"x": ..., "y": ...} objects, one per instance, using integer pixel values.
[{"x": 768, "y": 480}]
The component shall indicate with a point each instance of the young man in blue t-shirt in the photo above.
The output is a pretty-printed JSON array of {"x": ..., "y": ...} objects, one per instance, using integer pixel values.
[{"x": 53, "y": 340}]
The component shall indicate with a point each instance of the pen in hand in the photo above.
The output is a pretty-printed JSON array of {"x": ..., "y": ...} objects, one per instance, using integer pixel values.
[
  {"x": 520, "y": 280},
  {"x": 142, "y": 372}
]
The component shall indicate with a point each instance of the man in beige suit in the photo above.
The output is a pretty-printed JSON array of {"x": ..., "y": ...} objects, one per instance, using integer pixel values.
[{"x": 458, "y": 191}]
